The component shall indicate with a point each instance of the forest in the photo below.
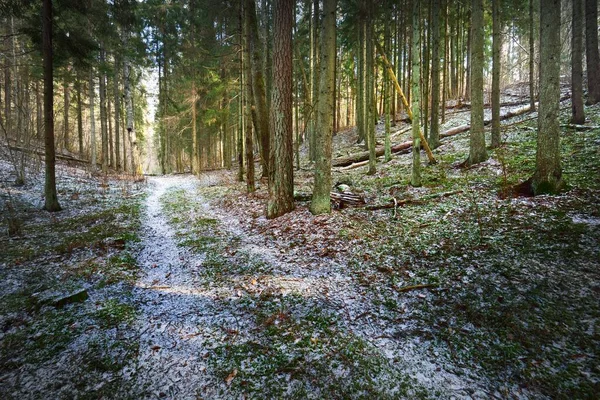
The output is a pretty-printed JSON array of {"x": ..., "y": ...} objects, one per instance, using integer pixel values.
[{"x": 322, "y": 199}]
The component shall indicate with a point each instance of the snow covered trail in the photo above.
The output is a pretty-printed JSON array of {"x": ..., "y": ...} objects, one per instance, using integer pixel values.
[
  {"x": 188, "y": 316},
  {"x": 175, "y": 315}
]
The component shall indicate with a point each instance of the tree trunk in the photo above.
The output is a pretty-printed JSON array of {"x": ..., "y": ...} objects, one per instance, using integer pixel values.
[
  {"x": 434, "y": 132},
  {"x": 477, "y": 151},
  {"x": 415, "y": 98},
  {"x": 370, "y": 106},
  {"x": 548, "y": 174},
  {"x": 67, "y": 105},
  {"x": 103, "y": 115},
  {"x": 51, "y": 199},
  {"x": 321, "y": 203},
  {"x": 258, "y": 88},
  {"x": 578, "y": 115},
  {"x": 117, "y": 96},
  {"x": 591, "y": 46},
  {"x": 195, "y": 160},
  {"x": 79, "y": 115},
  {"x": 250, "y": 185},
  {"x": 92, "y": 121},
  {"x": 496, "y": 48},
  {"x": 129, "y": 113},
  {"x": 281, "y": 181},
  {"x": 531, "y": 57}
]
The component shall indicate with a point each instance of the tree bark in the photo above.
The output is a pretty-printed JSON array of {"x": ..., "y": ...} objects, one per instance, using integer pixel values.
[
  {"x": 129, "y": 113},
  {"x": 79, "y": 115},
  {"x": 477, "y": 151},
  {"x": 415, "y": 98},
  {"x": 117, "y": 96},
  {"x": 531, "y": 57},
  {"x": 496, "y": 48},
  {"x": 321, "y": 203},
  {"x": 92, "y": 121},
  {"x": 67, "y": 105},
  {"x": 548, "y": 173},
  {"x": 103, "y": 115},
  {"x": 434, "y": 132},
  {"x": 592, "y": 55},
  {"x": 371, "y": 112},
  {"x": 51, "y": 198},
  {"x": 281, "y": 181},
  {"x": 259, "y": 89},
  {"x": 577, "y": 112}
]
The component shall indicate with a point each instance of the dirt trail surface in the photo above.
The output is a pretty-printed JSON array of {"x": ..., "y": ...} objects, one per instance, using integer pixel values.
[{"x": 271, "y": 325}]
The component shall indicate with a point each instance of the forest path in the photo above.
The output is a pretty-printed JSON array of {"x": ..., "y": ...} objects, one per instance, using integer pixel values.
[
  {"x": 223, "y": 314},
  {"x": 174, "y": 312}
]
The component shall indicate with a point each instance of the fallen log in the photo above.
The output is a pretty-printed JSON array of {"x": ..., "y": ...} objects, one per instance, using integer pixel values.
[
  {"x": 394, "y": 203},
  {"x": 339, "y": 200},
  {"x": 364, "y": 155},
  {"x": 399, "y": 148}
]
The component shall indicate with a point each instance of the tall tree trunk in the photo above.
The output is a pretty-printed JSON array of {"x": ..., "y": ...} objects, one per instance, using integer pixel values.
[
  {"x": 111, "y": 157},
  {"x": 79, "y": 114},
  {"x": 103, "y": 115},
  {"x": 477, "y": 151},
  {"x": 434, "y": 133},
  {"x": 445, "y": 62},
  {"x": 250, "y": 185},
  {"x": 314, "y": 77},
  {"x": 51, "y": 198},
  {"x": 370, "y": 105},
  {"x": 531, "y": 57},
  {"x": 258, "y": 88},
  {"x": 415, "y": 97},
  {"x": 591, "y": 46},
  {"x": 92, "y": 121},
  {"x": 117, "y": 96},
  {"x": 496, "y": 47},
  {"x": 577, "y": 115},
  {"x": 321, "y": 203},
  {"x": 281, "y": 181},
  {"x": 547, "y": 177},
  {"x": 195, "y": 158},
  {"x": 38, "y": 111},
  {"x": 67, "y": 105},
  {"x": 129, "y": 113}
]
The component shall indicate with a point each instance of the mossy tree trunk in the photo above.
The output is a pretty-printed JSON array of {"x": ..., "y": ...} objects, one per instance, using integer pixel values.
[
  {"x": 51, "y": 198},
  {"x": 92, "y": 96},
  {"x": 258, "y": 88},
  {"x": 548, "y": 174},
  {"x": 477, "y": 150},
  {"x": 321, "y": 203},
  {"x": 370, "y": 104},
  {"x": 281, "y": 179},
  {"x": 496, "y": 48},
  {"x": 415, "y": 97},
  {"x": 591, "y": 46},
  {"x": 577, "y": 112},
  {"x": 117, "y": 100},
  {"x": 434, "y": 132}
]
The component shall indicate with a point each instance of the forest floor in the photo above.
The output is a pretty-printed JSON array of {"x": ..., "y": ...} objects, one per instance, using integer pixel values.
[{"x": 180, "y": 288}]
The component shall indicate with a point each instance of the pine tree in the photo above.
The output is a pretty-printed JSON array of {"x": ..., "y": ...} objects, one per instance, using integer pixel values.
[
  {"x": 415, "y": 96},
  {"x": 321, "y": 203},
  {"x": 281, "y": 181},
  {"x": 577, "y": 112},
  {"x": 548, "y": 173},
  {"x": 592, "y": 55},
  {"x": 496, "y": 48},
  {"x": 477, "y": 151},
  {"x": 51, "y": 198}
]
